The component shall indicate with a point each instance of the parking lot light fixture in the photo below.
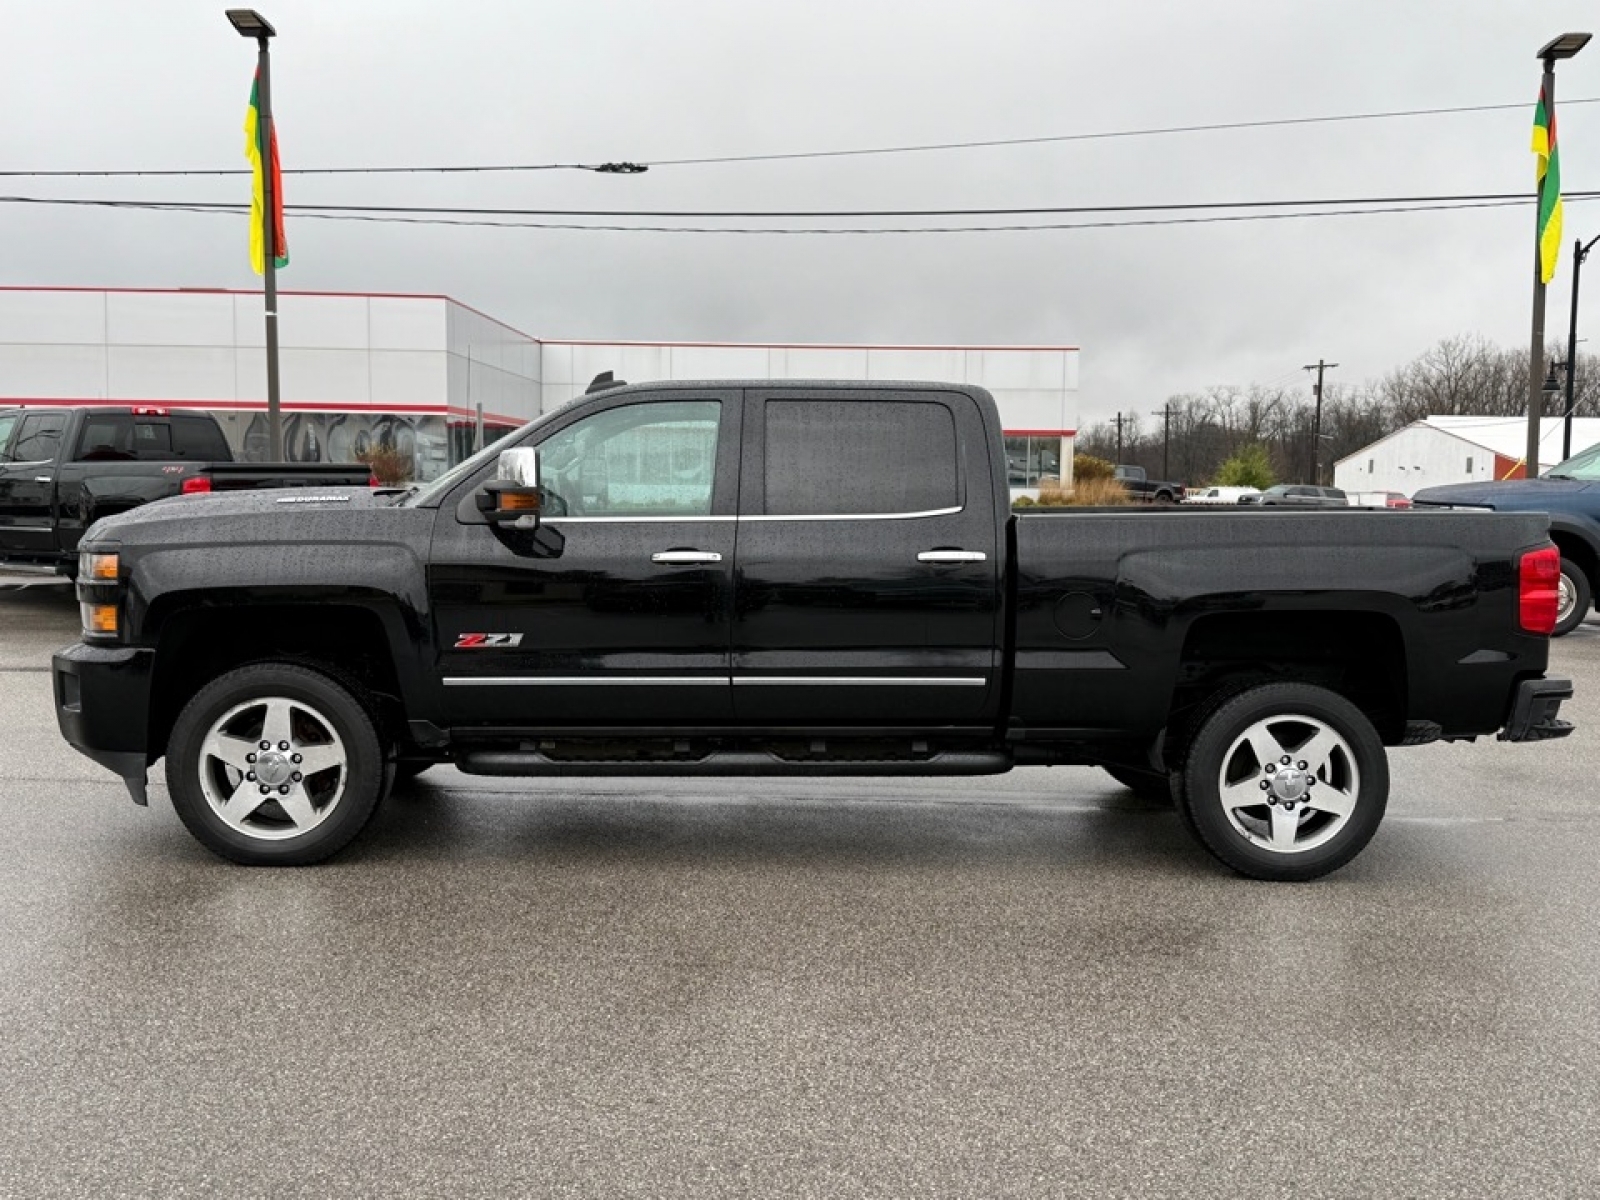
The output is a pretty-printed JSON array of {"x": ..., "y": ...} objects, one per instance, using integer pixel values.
[
  {"x": 1558, "y": 48},
  {"x": 252, "y": 24}
]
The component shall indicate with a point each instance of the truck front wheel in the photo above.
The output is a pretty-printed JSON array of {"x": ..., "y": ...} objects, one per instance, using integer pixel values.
[
  {"x": 1574, "y": 600},
  {"x": 1285, "y": 781},
  {"x": 275, "y": 765}
]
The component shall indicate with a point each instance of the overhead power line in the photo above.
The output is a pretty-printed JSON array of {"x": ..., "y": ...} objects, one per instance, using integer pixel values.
[
  {"x": 384, "y": 217},
  {"x": 1468, "y": 198},
  {"x": 1267, "y": 123},
  {"x": 637, "y": 167}
]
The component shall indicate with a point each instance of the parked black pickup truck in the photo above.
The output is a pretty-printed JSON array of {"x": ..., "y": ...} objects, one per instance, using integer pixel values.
[
  {"x": 61, "y": 469},
  {"x": 793, "y": 578},
  {"x": 1138, "y": 484}
]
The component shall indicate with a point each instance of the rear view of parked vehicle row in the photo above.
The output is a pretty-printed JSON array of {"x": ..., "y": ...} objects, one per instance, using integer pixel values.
[
  {"x": 745, "y": 578},
  {"x": 62, "y": 469}
]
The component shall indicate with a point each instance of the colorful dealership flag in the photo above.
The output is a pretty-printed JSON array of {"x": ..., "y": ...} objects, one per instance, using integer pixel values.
[
  {"x": 1549, "y": 174},
  {"x": 256, "y": 152}
]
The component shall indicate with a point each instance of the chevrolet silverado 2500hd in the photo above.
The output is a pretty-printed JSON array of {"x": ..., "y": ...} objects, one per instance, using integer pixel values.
[{"x": 761, "y": 578}]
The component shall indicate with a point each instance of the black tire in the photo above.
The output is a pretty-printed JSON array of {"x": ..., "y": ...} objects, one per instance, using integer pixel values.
[
  {"x": 318, "y": 813},
  {"x": 1288, "y": 838},
  {"x": 1153, "y": 787},
  {"x": 1573, "y": 578}
]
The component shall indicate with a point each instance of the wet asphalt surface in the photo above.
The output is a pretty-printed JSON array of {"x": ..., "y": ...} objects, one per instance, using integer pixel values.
[{"x": 1030, "y": 985}]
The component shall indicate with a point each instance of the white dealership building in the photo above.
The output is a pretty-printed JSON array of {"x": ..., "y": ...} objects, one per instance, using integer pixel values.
[{"x": 419, "y": 372}]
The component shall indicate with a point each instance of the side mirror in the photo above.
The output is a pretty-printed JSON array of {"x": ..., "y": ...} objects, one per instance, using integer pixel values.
[{"x": 514, "y": 493}]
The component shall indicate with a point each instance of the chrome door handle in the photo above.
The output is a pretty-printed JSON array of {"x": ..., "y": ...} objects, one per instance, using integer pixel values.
[
  {"x": 952, "y": 556},
  {"x": 678, "y": 558},
  {"x": 42, "y": 478}
]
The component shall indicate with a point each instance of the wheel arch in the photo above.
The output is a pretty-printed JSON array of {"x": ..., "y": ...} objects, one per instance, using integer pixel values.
[
  {"x": 1578, "y": 547},
  {"x": 1358, "y": 655},
  {"x": 359, "y": 639}
]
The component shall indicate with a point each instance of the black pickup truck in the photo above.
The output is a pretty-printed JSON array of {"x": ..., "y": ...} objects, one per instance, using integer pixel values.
[
  {"x": 62, "y": 469},
  {"x": 1138, "y": 484},
  {"x": 745, "y": 578}
]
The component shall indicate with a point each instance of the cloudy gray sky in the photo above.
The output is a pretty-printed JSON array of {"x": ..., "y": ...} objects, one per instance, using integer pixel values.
[{"x": 163, "y": 84}]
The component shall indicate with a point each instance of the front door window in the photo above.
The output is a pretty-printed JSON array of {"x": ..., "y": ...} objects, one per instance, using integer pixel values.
[{"x": 643, "y": 460}]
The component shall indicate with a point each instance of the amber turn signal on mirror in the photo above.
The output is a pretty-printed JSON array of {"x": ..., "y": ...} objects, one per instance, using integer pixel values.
[{"x": 500, "y": 501}]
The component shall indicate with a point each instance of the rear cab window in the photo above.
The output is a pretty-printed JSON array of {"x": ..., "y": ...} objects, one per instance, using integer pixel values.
[{"x": 136, "y": 437}]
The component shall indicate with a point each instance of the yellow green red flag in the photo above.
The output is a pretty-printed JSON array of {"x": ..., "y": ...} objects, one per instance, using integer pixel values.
[
  {"x": 1549, "y": 175},
  {"x": 263, "y": 158}
]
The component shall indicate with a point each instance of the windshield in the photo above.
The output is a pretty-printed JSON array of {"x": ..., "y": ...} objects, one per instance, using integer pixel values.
[
  {"x": 1580, "y": 466},
  {"x": 425, "y": 494}
]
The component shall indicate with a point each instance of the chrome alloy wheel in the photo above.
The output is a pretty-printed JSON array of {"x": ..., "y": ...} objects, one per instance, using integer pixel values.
[
  {"x": 273, "y": 768},
  {"x": 1289, "y": 783}
]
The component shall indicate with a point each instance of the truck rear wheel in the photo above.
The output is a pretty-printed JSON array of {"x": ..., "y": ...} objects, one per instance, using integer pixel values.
[
  {"x": 1285, "y": 781},
  {"x": 1574, "y": 600},
  {"x": 275, "y": 765}
]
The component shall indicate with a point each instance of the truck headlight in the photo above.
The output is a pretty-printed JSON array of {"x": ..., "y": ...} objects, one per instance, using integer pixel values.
[
  {"x": 99, "y": 604},
  {"x": 99, "y": 568}
]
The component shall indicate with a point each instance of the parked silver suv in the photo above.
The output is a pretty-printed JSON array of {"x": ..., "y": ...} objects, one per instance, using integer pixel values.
[{"x": 1300, "y": 495}]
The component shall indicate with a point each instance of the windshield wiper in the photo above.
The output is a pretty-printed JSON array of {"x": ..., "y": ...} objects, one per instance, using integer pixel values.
[{"x": 1553, "y": 475}]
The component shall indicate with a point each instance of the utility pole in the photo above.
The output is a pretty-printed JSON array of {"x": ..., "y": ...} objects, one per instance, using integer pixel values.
[
  {"x": 1166, "y": 439},
  {"x": 1119, "y": 437},
  {"x": 1316, "y": 425},
  {"x": 1580, "y": 251}
]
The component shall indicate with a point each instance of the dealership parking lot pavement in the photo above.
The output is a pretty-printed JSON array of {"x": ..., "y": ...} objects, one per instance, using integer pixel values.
[{"x": 1030, "y": 985}]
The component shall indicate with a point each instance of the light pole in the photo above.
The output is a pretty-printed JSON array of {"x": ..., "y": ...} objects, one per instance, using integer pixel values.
[
  {"x": 1580, "y": 251},
  {"x": 252, "y": 24},
  {"x": 1564, "y": 46}
]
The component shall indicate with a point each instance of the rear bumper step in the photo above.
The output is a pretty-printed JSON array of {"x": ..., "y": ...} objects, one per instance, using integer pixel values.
[{"x": 1533, "y": 711}]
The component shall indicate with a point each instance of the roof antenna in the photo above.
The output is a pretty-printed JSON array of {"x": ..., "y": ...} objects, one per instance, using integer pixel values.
[{"x": 603, "y": 382}]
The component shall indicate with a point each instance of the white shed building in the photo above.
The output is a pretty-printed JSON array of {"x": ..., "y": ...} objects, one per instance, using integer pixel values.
[{"x": 1439, "y": 450}]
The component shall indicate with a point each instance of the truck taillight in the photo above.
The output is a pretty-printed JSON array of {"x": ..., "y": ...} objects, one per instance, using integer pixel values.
[
  {"x": 372, "y": 481},
  {"x": 1539, "y": 589},
  {"x": 195, "y": 485}
]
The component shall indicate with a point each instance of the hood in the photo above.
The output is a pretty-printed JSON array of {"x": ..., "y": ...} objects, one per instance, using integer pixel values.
[
  {"x": 1512, "y": 494},
  {"x": 305, "y": 513}
]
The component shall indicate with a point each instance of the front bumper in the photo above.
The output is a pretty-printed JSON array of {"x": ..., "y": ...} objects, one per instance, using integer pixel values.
[
  {"x": 103, "y": 706},
  {"x": 1533, "y": 711}
]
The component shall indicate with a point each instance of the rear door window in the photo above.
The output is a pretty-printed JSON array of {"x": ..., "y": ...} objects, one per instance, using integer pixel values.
[
  {"x": 105, "y": 437},
  {"x": 854, "y": 458},
  {"x": 8, "y": 422}
]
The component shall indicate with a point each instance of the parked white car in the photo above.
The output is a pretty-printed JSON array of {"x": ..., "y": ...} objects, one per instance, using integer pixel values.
[{"x": 1219, "y": 495}]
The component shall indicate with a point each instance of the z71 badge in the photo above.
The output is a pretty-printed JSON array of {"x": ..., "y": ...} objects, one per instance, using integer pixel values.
[{"x": 487, "y": 641}]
